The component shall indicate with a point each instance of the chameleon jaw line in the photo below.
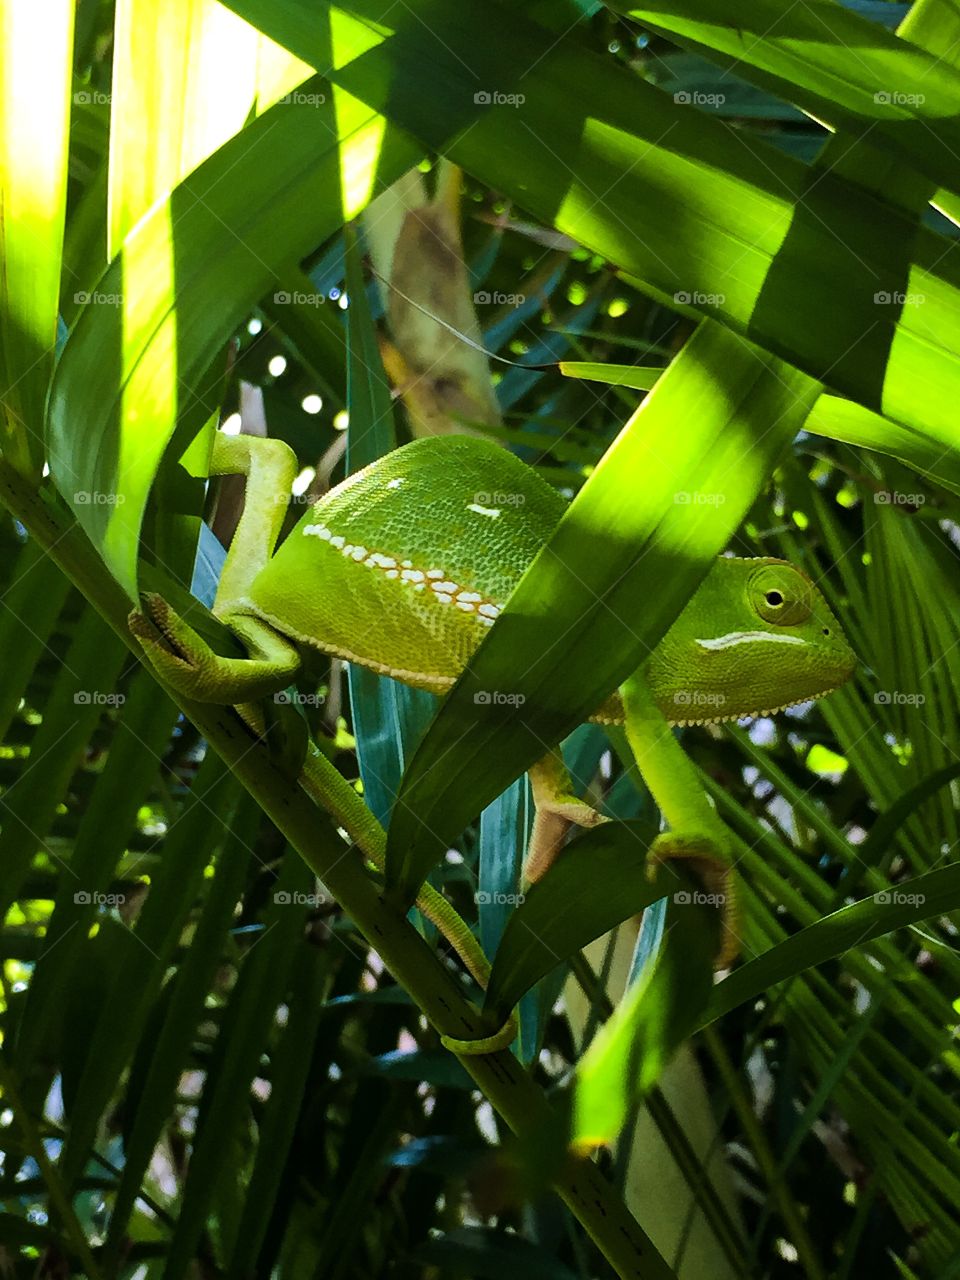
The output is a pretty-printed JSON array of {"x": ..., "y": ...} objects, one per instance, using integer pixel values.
[{"x": 694, "y": 723}]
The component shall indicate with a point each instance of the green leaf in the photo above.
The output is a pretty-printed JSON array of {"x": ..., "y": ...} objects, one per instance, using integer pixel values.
[
  {"x": 86, "y": 1001},
  {"x": 16, "y": 1233},
  {"x": 366, "y": 1144},
  {"x": 842, "y": 69},
  {"x": 435, "y": 1066},
  {"x": 291, "y": 1064},
  {"x": 614, "y": 375},
  {"x": 442, "y": 1154},
  {"x": 34, "y": 597},
  {"x": 136, "y": 749},
  {"x": 371, "y": 431},
  {"x": 883, "y": 834},
  {"x": 243, "y": 1035},
  {"x": 505, "y": 826},
  {"x": 313, "y": 332},
  {"x": 617, "y": 571},
  {"x": 657, "y": 1013},
  {"x": 600, "y": 880},
  {"x": 134, "y": 372},
  {"x": 82, "y": 689},
  {"x": 36, "y": 50},
  {"x": 491, "y": 1255},
  {"x": 926, "y": 452},
  {"x": 933, "y": 894},
  {"x": 158, "y": 1064},
  {"x": 187, "y": 75},
  {"x": 157, "y": 932},
  {"x": 726, "y": 226},
  {"x": 381, "y": 995}
]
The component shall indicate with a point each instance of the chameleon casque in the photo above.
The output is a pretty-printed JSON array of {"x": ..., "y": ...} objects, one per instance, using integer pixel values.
[{"x": 404, "y": 568}]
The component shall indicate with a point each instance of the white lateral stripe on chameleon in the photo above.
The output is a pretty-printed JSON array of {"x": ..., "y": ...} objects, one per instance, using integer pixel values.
[
  {"x": 733, "y": 638},
  {"x": 444, "y": 591}
]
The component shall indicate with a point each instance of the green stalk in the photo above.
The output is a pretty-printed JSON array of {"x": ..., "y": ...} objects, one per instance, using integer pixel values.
[
  {"x": 510, "y": 1090},
  {"x": 789, "y": 1210},
  {"x": 60, "y": 1201}
]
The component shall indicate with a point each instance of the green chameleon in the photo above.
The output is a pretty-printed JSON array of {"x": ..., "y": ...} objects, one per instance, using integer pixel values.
[{"x": 404, "y": 568}]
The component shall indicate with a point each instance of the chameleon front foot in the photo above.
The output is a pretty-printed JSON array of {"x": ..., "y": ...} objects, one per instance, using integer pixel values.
[
  {"x": 185, "y": 661},
  {"x": 719, "y": 883}
]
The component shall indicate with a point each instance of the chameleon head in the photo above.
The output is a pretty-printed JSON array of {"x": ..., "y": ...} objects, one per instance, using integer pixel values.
[{"x": 757, "y": 636}]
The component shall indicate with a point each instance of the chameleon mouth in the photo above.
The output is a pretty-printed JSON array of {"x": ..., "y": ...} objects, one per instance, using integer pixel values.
[{"x": 693, "y": 721}]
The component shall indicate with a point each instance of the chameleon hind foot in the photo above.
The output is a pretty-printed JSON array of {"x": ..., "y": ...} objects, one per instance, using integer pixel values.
[
  {"x": 703, "y": 854},
  {"x": 185, "y": 661},
  {"x": 557, "y": 809}
]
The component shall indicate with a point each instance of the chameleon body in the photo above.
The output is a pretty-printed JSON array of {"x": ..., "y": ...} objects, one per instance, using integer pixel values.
[{"x": 405, "y": 566}]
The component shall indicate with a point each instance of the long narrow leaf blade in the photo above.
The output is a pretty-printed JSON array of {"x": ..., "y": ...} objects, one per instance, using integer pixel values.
[
  {"x": 36, "y": 48},
  {"x": 834, "y": 63},
  {"x": 655, "y": 1016},
  {"x": 730, "y": 228},
  {"x": 933, "y": 894},
  {"x": 628, "y": 553},
  {"x": 134, "y": 372},
  {"x": 186, "y": 76},
  {"x": 600, "y": 881}
]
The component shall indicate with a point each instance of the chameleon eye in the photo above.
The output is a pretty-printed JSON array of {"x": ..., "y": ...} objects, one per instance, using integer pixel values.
[{"x": 781, "y": 594}]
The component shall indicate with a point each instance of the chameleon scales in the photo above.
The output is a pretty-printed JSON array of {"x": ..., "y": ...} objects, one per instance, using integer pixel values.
[{"x": 404, "y": 568}]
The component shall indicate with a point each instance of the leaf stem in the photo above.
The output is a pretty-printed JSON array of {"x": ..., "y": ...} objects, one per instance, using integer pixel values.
[{"x": 59, "y": 1199}]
